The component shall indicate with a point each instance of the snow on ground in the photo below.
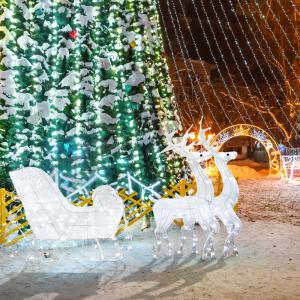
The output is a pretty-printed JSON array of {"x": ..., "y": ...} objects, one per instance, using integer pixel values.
[
  {"x": 268, "y": 265},
  {"x": 250, "y": 163},
  {"x": 246, "y": 168},
  {"x": 270, "y": 198},
  {"x": 242, "y": 172}
]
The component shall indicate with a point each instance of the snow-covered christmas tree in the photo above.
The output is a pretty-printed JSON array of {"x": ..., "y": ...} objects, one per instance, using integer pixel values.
[{"x": 85, "y": 89}]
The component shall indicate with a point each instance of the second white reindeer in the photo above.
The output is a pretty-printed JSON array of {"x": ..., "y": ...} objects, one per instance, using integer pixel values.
[{"x": 222, "y": 205}]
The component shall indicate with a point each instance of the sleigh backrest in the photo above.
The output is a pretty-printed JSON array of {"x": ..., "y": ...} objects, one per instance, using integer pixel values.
[{"x": 33, "y": 185}]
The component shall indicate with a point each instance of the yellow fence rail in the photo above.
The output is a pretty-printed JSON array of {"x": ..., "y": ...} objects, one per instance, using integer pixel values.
[
  {"x": 183, "y": 188},
  {"x": 10, "y": 226},
  {"x": 135, "y": 208}
]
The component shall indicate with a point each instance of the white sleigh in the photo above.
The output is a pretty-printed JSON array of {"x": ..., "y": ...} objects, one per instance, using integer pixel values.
[{"x": 52, "y": 217}]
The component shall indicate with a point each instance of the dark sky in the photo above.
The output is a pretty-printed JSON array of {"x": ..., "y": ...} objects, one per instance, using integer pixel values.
[
  {"x": 223, "y": 37},
  {"x": 207, "y": 12}
]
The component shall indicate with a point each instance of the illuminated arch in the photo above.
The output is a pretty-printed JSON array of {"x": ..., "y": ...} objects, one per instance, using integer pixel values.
[{"x": 256, "y": 133}]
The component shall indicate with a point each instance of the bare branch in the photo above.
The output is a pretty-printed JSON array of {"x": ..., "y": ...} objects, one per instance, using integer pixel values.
[{"x": 263, "y": 110}]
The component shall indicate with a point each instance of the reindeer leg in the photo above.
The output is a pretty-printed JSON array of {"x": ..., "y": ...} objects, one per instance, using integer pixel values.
[
  {"x": 157, "y": 249},
  {"x": 195, "y": 240},
  {"x": 233, "y": 226},
  {"x": 157, "y": 233},
  {"x": 221, "y": 211},
  {"x": 214, "y": 227},
  {"x": 190, "y": 227},
  {"x": 207, "y": 247},
  {"x": 183, "y": 230},
  {"x": 230, "y": 247},
  {"x": 167, "y": 224},
  {"x": 229, "y": 242},
  {"x": 237, "y": 229},
  {"x": 236, "y": 224},
  {"x": 162, "y": 225},
  {"x": 169, "y": 245},
  {"x": 228, "y": 226}
]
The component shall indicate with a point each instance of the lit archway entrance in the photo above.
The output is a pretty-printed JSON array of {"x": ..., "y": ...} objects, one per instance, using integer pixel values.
[{"x": 256, "y": 133}]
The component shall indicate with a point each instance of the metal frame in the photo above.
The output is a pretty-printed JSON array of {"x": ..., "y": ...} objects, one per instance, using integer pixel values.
[
  {"x": 257, "y": 133},
  {"x": 291, "y": 163}
]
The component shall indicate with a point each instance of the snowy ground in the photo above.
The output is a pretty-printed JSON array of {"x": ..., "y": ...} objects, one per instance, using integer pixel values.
[
  {"x": 270, "y": 199},
  {"x": 268, "y": 266}
]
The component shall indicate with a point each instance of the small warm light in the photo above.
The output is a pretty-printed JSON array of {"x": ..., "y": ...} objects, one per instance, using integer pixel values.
[
  {"x": 193, "y": 136},
  {"x": 196, "y": 137},
  {"x": 210, "y": 136}
]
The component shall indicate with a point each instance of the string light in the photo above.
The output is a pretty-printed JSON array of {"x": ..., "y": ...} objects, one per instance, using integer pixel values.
[
  {"x": 224, "y": 81},
  {"x": 184, "y": 50},
  {"x": 261, "y": 69},
  {"x": 208, "y": 42},
  {"x": 17, "y": 138},
  {"x": 273, "y": 35},
  {"x": 280, "y": 26},
  {"x": 176, "y": 65},
  {"x": 143, "y": 57},
  {"x": 36, "y": 139},
  {"x": 78, "y": 95},
  {"x": 219, "y": 49},
  {"x": 54, "y": 135}
]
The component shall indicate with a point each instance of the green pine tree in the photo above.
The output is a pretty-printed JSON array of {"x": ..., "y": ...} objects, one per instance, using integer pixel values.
[{"x": 88, "y": 90}]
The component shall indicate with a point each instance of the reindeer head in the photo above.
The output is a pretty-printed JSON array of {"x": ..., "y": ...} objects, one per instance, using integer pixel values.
[
  {"x": 213, "y": 149},
  {"x": 185, "y": 150},
  {"x": 201, "y": 156},
  {"x": 227, "y": 156}
]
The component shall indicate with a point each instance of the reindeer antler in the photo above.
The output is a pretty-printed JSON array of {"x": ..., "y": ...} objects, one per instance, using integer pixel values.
[
  {"x": 184, "y": 140},
  {"x": 171, "y": 145},
  {"x": 203, "y": 141},
  {"x": 180, "y": 145}
]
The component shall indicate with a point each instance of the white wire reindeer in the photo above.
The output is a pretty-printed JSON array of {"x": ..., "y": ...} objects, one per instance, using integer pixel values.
[
  {"x": 222, "y": 205},
  {"x": 192, "y": 209}
]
